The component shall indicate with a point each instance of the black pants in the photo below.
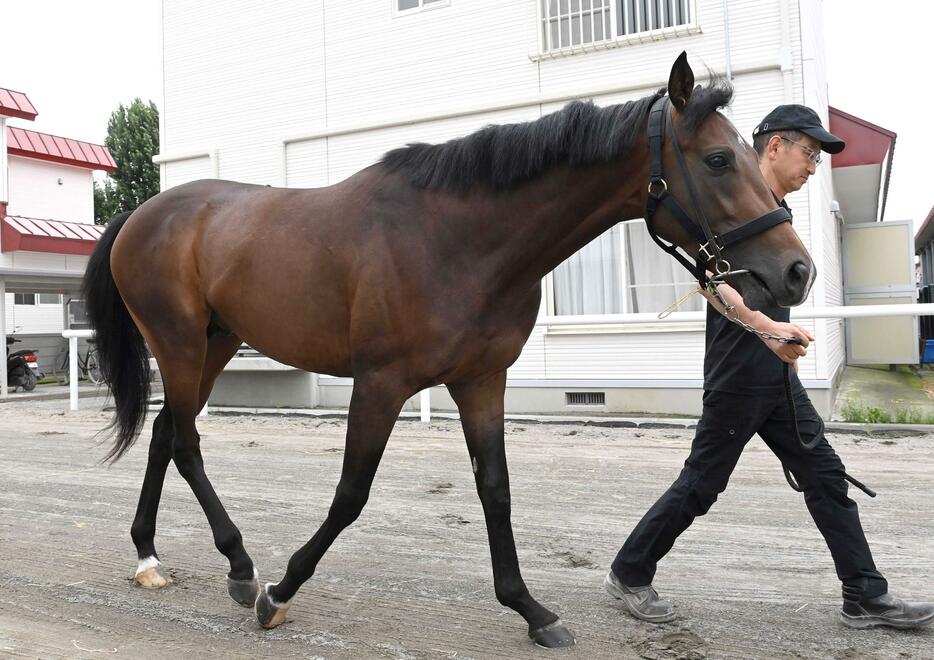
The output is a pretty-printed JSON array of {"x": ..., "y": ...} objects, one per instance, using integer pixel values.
[{"x": 727, "y": 424}]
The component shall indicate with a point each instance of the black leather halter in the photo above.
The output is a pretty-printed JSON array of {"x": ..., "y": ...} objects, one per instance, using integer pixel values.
[{"x": 711, "y": 245}]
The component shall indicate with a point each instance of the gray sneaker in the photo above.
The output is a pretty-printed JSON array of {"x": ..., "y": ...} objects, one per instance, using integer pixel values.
[{"x": 642, "y": 602}]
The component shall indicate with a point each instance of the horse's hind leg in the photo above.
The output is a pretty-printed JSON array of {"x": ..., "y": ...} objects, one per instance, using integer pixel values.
[
  {"x": 480, "y": 404},
  {"x": 143, "y": 530},
  {"x": 374, "y": 407},
  {"x": 220, "y": 348},
  {"x": 190, "y": 363}
]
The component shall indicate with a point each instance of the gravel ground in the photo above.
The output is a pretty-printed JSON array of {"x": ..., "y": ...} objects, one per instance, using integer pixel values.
[{"x": 412, "y": 578}]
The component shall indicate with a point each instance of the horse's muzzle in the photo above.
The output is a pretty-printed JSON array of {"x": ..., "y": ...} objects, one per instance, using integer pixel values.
[{"x": 798, "y": 279}]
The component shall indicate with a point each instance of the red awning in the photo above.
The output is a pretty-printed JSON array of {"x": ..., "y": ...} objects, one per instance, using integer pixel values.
[
  {"x": 32, "y": 144},
  {"x": 866, "y": 143},
  {"x": 15, "y": 104},
  {"x": 862, "y": 171},
  {"x": 34, "y": 235}
]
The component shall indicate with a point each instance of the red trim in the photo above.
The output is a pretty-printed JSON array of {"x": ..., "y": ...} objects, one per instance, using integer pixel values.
[
  {"x": 15, "y": 104},
  {"x": 55, "y": 149},
  {"x": 35, "y": 235},
  {"x": 866, "y": 143}
]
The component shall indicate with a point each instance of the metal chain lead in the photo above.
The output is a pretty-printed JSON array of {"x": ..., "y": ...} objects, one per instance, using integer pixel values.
[{"x": 730, "y": 313}]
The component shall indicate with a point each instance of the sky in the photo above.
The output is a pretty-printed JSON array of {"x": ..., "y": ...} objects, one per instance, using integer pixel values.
[{"x": 77, "y": 61}]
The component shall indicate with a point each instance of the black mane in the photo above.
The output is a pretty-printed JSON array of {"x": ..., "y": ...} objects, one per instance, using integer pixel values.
[{"x": 503, "y": 156}]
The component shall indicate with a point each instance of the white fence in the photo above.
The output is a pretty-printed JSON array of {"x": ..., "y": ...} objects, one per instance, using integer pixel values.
[{"x": 797, "y": 314}]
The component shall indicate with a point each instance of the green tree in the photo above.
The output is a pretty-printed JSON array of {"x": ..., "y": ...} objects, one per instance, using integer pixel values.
[{"x": 133, "y": 139}]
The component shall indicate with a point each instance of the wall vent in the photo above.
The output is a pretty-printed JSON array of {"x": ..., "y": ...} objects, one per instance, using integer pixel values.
[{"x": 585, "y": 398}]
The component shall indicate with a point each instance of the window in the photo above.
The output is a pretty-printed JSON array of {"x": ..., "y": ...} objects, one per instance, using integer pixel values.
[
  {"x": 417, "y": 5},
  {"x": 24, "y": 299},
  {"x": 573, "y": 23},
  {"x": 50, "y": 299},
  {"x": 622, "y": 272}
]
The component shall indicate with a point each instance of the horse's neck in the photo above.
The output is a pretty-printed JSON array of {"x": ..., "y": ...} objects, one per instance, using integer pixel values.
[{"x": 544, "y": 222}]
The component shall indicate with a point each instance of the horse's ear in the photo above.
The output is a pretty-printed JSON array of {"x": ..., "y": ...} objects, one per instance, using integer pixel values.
[{"x": 680, "y": 82}]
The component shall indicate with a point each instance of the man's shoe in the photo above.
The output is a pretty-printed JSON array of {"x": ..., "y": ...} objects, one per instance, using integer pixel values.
[
  {"x": 884, "y": 610},
  {"x": 642, "y": 602}
]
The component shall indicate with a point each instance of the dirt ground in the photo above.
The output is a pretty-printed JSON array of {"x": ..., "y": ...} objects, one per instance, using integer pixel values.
[{"x": 412, "y": 578}]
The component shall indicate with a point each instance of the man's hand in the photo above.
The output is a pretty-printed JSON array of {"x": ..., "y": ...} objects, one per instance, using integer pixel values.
[{"x": 789, "y": 352}]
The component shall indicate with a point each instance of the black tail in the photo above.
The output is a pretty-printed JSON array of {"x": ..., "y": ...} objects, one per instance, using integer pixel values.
[{"x": 122, "y": 351}]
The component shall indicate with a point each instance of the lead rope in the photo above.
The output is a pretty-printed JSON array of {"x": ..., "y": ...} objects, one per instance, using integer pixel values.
[{"x": 731, "y": 315}]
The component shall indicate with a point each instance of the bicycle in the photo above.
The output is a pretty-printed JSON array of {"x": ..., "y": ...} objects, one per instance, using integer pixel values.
[{"x": 89, "y": 366}]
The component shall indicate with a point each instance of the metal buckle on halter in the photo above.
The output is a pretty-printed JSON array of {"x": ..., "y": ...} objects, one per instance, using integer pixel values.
[
  {"x": 703, "y": 249},
  {"x": 664, "y": 185}
]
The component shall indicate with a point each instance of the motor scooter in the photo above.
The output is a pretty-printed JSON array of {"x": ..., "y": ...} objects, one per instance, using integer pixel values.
[{"x": 22, "y": 367}]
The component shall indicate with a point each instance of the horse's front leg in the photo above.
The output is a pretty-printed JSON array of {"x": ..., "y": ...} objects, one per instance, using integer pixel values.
[
  {"x": 374, "y": 407},
  {"x": 480, "y": 404}
]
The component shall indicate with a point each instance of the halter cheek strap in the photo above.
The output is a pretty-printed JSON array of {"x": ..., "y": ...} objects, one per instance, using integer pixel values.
[{"x": 710, "y": 245}]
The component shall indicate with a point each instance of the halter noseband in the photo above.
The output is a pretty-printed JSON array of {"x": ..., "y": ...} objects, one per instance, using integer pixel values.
[{"x": 710, "y": 244}]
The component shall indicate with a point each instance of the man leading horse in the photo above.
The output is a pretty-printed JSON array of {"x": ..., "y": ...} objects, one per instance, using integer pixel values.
[{"x": 744, "y": 395}]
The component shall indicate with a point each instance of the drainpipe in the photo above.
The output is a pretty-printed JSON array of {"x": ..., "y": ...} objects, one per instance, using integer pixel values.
[
  {"x": 726, "y": 38},
  {"x": 785, "y": 53},
  {"x": 4, "y": 198}
]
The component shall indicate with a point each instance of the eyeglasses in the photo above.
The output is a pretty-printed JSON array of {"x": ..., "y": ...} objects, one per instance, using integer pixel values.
[{"x": 813, "y": 156}]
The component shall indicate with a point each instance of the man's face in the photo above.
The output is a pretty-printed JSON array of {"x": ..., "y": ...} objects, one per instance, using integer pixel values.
[{"x": 794, "y": 161}]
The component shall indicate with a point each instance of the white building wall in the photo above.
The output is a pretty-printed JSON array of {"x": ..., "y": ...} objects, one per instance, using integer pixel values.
[
  {"x": 305, "y": 93},
  {"x": 33, "y": 319},
  {"x": 40, "y": 189}
]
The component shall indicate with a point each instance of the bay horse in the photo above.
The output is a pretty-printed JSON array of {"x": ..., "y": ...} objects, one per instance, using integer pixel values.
[{"x": 420, "y": 270}]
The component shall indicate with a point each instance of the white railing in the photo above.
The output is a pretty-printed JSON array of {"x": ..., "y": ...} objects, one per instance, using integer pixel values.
[{"x": 797, "y": 314}]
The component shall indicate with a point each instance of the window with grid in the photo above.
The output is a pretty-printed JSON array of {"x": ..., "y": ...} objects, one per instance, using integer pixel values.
[
  {"x": 570, "y": 23},
  {"x": 24, "y": 299},
  {"x": 407, "y": 6}
]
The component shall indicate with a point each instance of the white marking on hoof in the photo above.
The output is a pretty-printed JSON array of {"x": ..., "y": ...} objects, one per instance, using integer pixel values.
[
  {"x": 280, "y": 610},
  {"x": 287, "y": 604},
  {"x": 147, "y": 563},
  {"x": 148, "y": 575}
]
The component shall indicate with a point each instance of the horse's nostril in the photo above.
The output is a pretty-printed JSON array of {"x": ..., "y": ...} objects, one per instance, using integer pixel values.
[{"x": 798, "y": 275}]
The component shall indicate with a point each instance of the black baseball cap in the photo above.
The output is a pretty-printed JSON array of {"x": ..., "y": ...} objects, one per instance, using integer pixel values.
[{"x": 794, "y": 117}]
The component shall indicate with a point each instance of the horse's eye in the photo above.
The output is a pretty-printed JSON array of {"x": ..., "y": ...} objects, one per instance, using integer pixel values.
[{"x": 717, "y": 161}]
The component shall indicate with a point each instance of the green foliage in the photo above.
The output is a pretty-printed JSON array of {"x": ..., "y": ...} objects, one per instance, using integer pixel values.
[
  {"x": 855, "y": 411},
  {"x": 133, "y": 139}
]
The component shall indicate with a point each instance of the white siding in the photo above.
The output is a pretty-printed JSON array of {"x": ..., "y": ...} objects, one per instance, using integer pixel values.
[
  {"x": 182, "y": 171},
  {"x": 35, "y": 190},
  {"x": 33, "y": 319}
]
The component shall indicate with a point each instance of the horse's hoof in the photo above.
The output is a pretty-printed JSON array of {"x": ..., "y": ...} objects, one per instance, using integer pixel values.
[
  {"x": 148, "y": 575},
  {"x": 553, "y": 636},
  {"x": 269, "y": 613},
  {"x": 244, "y": 591}
]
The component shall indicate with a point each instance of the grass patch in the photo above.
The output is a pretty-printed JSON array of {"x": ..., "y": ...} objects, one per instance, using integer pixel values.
[{"x": 855, "y": 411}]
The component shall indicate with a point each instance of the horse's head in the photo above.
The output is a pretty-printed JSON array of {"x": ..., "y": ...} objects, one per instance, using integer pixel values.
[{"x": 716, "y": 181}]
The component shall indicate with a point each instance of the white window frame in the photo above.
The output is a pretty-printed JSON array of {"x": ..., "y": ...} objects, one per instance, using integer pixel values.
[
  {"x": 422, "y": 6},
  {"x": 548, "y": 291},
  {"x": 616, "y": 40}
]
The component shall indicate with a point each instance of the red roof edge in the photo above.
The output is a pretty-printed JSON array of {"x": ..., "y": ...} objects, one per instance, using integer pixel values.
[
  {"x": 55, "y": 149},
  {"x": 921, "y": 237},
  {"x": 19, "y": 233},
  {"x": 862, "y": 122},
  {"x": 16, "y": 104}
]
